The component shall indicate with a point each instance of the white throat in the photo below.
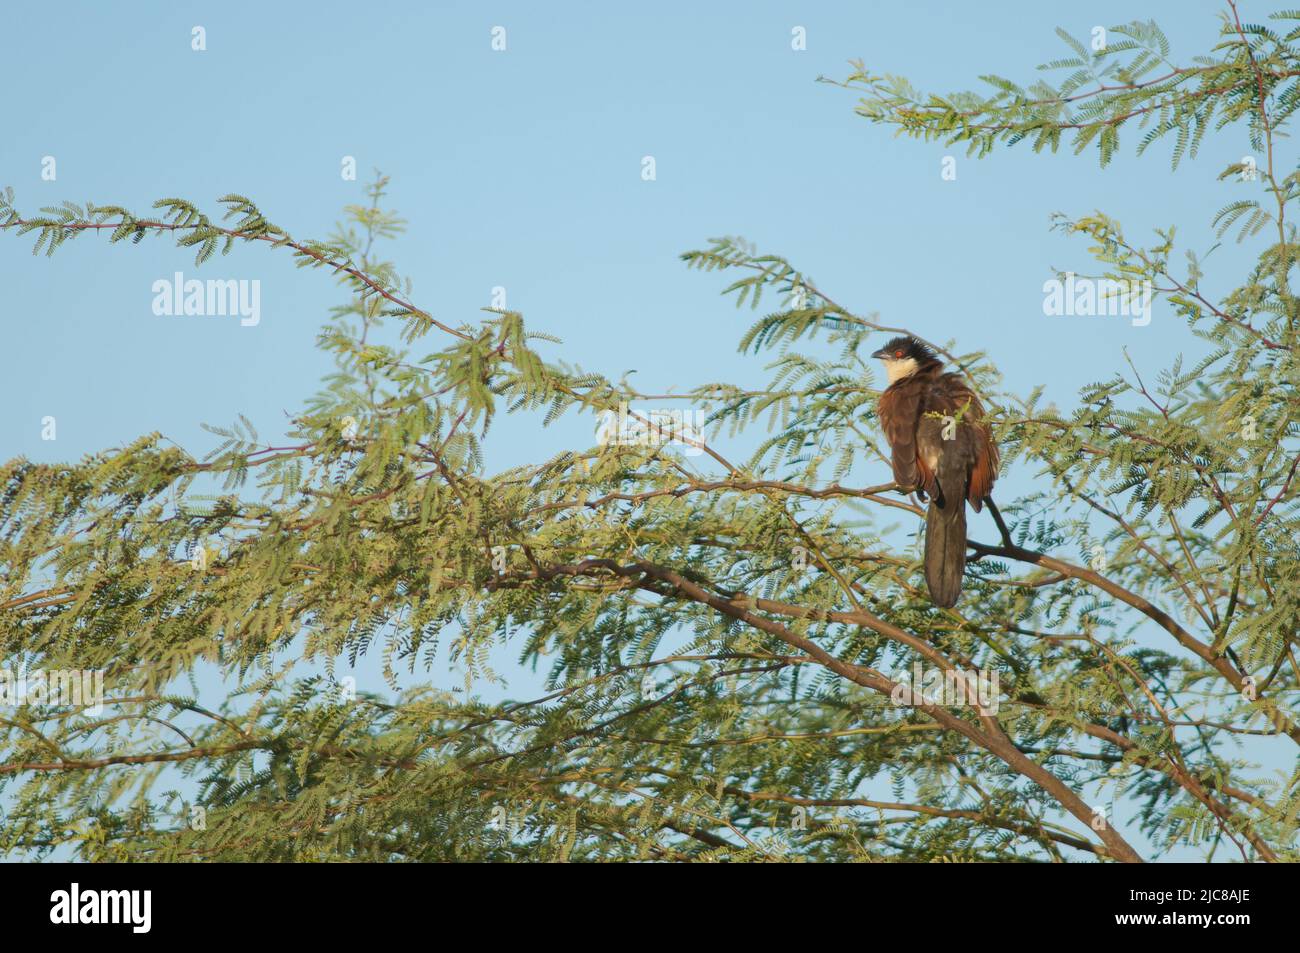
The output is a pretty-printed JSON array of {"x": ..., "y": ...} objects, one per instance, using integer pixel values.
[{"x": 896, "y": 370}]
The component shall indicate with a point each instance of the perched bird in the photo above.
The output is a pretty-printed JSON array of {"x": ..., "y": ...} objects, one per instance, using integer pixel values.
[{"x": 942, "y": 448}]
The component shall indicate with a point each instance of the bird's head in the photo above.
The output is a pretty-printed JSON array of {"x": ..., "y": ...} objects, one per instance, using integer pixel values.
[{"x": 903, "y": 357}]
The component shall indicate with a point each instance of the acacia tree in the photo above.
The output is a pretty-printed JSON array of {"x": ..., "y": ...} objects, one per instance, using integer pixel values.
[{"x": 718, "y": 634}]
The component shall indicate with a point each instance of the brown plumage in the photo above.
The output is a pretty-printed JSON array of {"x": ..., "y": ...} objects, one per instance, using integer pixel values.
[{"x": 948, "y": 469}]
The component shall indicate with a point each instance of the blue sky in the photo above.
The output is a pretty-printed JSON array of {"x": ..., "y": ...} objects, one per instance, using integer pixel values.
[{"x": 522, "y": 169}]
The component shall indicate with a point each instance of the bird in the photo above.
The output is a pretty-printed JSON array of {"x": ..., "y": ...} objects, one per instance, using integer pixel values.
[{"x": 941, "y": 448}]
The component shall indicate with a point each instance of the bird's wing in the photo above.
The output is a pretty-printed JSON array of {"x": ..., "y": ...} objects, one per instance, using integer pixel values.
[
  {"x": 974, "y": 440},
  {"x": 899, "y": 413}
]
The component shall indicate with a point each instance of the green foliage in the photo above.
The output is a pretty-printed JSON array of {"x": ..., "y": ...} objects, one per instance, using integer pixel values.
[{"x": 720, "y": 641}]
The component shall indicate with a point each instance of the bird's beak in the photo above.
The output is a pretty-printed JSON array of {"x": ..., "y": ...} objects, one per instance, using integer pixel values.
[{"x": 879, "y": 354}]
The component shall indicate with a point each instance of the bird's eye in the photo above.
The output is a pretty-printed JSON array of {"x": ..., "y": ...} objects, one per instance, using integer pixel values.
[{"x": 898, "y": 354}]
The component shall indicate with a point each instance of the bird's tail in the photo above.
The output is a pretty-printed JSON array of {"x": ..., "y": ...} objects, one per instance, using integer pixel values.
[{"x": 945, "y": 535}]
